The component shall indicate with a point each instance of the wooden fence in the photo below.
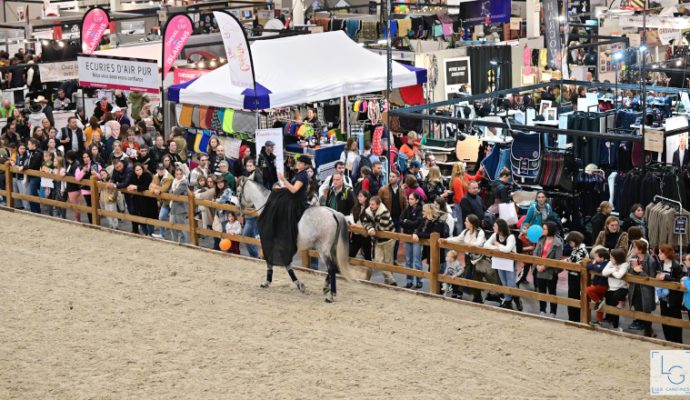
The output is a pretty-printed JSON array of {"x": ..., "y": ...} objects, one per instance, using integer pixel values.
[{"x": 435, "y": 243}]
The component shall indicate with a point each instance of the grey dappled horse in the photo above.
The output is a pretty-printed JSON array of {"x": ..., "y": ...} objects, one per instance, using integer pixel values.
[{"x": 320, "y": 228}]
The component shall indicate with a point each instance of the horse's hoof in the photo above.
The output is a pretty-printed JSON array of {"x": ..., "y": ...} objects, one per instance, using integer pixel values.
[
  {"x": 265, "y": 284},
  {"x": 329, "y": 299},
  {"x": 301, "y": 287}
]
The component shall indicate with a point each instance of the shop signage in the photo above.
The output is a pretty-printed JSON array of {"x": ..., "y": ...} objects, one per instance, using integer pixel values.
[
  {"x": 182, "y": 75},
  {"x": 110, "y": 73},
  {"x": 457, "y": 72},
  {"x": 177, "y": 32},
  {"x": 515, "y": 24},
  {"x": 680, "y": 224},
  {"x": 666, "y": 35},
  {"x": 58, "y": 71},
  {"x": 553, "y": 34},
  {"x": 237, "y": 50},
  {"x": 275, "y": 135},
  {"x": 482, "y": 11},
  {"x": 93, "y": 26},
  {"x": 654, "y": 140}
]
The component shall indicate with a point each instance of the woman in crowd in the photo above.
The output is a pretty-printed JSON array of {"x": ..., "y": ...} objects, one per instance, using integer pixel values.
[
  {"x": 503, "y": 240},
  {"x": 459, "y": 179},
  {"x": 313, "y": 189},
  {"x": 550, "y": 246},
  {"x": 412, "y": 186},
  {"x": 578, "y": 254},
  {"x": 245, "y": 154},
  {"x": 22, "y": 125},
  {"x": 208, "y": 193},
  {"x": 360, "y": 241},
  {"x": 87, "y": 169},
  {"x": 377, "y": 218},
  {"x": 349, "y": 156},
  {"x": 213, "y": 142},
  {"x": 612, "y": 237},
  {"x": 93, "y": 127},
  {"x": 634, "y": 233},
  {"x": 472, "y": 235},
  {"x": 146, "y": 207},
  {"x": 108, "y": 197},
  {"x": 58, "y": 192},
  {"x": 179, "y": 209},
  {"x": 117, "y": 154},
  {"x": 39, "y": 134},
  {"x": 46, "y": 125},
  {"x": 432, "y": 224},
  {"x": 168, "y": 164},
  {"x": 539, "y": 213},
  {"x": 130, "y": 146},
  {"x": 51, "y": 147},
  {"x": 618, "y": 288},
  {"x": 18, "y": 182},
  {"x": 434, "y": 184},
  {"x": 73, "y": 190},
  {"x": 598, "y": 220},
  {"x": 670, "y": 301},
  {"x": 642, "y": 297},
  {"x": 636, "y": 218},
  {"x": 412, "y": 219},
  {"x": 96, "y": 155}
]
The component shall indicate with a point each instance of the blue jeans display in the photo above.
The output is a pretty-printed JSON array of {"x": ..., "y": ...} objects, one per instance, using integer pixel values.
[
  {"x": 251, "y": 229},
  {"x": 508, "y": 280},
  {"x": 413, "y": 259},
  {"x": 34, "y": 186},
  {"x": 163, "y": 215}
]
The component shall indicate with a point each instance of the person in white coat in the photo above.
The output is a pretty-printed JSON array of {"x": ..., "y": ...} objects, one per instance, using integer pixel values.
[
  {"x": 503, "y": 241},
  {"x": 618, "y": 288}
]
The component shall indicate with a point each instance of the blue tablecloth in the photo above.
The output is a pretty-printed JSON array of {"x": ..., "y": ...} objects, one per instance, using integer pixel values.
[{"x": 323, "y": 155}]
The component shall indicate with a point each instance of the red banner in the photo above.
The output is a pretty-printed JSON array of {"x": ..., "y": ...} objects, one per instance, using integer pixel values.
[
  {"x": 93, "y": 26},
  {"x": 182, "y": 75},
  {"x": 177, "y": 32}
]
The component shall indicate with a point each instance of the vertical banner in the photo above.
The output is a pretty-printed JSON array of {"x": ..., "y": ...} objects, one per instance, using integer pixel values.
[
  {"x": 176, "y": 33},
  {"x": 553, "y": 34},
  {"x": 93, "y": 26},
  {"x": 236, "y": 50}
]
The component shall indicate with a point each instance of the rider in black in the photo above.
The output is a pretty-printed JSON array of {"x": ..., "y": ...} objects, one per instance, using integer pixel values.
[{"x": 279, "y": 219}]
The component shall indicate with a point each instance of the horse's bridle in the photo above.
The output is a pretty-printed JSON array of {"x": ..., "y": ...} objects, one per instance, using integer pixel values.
[{"x": 240, "y": 194}]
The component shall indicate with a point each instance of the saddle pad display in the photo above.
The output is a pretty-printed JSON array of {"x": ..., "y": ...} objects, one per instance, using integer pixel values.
[
  {"x": 525, "y": 156},
  {"x": 195, "y": 116},
  {"x": 186, "y": 115},
  {"x": 203, "y": 110}
]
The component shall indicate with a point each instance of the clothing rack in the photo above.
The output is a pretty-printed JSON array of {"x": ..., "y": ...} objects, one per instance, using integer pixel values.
[{"x": 663, "y": 199}]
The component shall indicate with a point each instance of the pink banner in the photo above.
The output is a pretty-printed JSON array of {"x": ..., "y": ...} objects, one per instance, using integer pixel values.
[
  {"x": 177, "y": 31},
  {"x": 93, "y": 27}
]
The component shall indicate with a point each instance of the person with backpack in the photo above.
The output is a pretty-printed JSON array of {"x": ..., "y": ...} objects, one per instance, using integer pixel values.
[{"x": 366, "y": 159}]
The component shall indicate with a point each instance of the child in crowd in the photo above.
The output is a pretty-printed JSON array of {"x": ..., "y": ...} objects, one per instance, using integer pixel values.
[
  {"x": 233, "y": 227},
  {"x": 600, "y": 284},
  {"x": 59, "y": 187},
  {"x": 47, "y": 184},
  {"x": 454, "y": 270},
  {"x": 618, "y": 288},
  {"x": 108, "y": 198}
]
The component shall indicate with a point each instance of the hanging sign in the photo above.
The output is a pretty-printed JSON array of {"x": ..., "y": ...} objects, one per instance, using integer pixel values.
[
  {"x": 654, "y": 140},
  {"x": 680, "y": 224},
  {"x": 457, "y": 73},
  {"x": 237, "y": 50},
  {"x": 93, "y": 26},
  {"x": 275, "y": 135},
  {"x": 177, "y": 32},
  {"x": 553, "y": 33},
  {"x": 111, "y": 73},
  {"x": 515, "y": 24},
  {"x": 58, "y": 71}
]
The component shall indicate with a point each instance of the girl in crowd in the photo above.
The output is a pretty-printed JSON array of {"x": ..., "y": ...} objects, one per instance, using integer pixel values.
[
  {"x": 59, "y": 187},
  {"x": 73, "y": 190},
  {"x": 503, "y": 240},
  {"x": 670, "y": 301},
  {"x": 88, "y": 169},
  {"x": 549, "y": 246},
  {"x": 410, "y": 220},
  {"x": 434, "y": 184},
  {"x": 146, "y": 207},
  {"x": 108, "y": 198},
  {"x": 179, "y": 209},
  {"x": 598, "y": 220},
  {"x": 579, "y": 252},
  {"x": 636, "y": 218},
  {"x": 432, "y": 224},
  {"x": 47, "y": 185},
  {"x": 358, "y": 241},
  {"x": 51, "y": 147},
  {"x": 642, "y": 297},
  {"x": 618, "y": 288},
  {"x": 412, "y": 186},
  {"x": 612, "y": 237}
]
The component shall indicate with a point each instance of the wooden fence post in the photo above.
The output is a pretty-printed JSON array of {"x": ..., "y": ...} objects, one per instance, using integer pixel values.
[
  {"x": 192, "y": 222},
  {"x": 8, "y": 185},
  {"x": 434, "y": 262},
  {"x": 95, "y": 201},
  {"x": 585, "y": 280}
]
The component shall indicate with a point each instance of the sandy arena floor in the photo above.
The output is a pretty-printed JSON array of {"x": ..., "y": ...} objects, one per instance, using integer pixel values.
[{"x": 92, "y": 315}]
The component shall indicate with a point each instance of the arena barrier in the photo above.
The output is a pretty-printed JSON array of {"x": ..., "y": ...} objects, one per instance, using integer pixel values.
[{"x": 435, "y": 243}]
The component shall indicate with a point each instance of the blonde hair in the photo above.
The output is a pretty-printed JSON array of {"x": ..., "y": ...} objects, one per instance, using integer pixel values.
[
  {"x": 604, "y": 205},
  {"x": 411, "y": 135},
  {"x": 435, "y": 212},
  {"x": 452, "y": 254},
  {"x": 59, "y": 162},
  {"x": 434, "y": 174},
  {"x": 458, "y": 170}
]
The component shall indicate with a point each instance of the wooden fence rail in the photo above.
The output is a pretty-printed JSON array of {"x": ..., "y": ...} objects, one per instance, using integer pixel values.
[{"x": 435, "y": 243}]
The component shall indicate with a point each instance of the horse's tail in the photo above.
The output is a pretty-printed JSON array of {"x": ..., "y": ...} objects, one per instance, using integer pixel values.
[{"x": 342, "y": 246}]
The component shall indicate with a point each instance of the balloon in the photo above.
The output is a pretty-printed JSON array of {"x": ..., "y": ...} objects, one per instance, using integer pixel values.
[
  {"x": 534, "y": 233},
  {"x": 225, "y": 244}
]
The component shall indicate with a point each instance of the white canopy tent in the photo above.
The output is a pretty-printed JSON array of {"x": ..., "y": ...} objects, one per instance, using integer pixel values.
[{"x": 297, "y": 70}]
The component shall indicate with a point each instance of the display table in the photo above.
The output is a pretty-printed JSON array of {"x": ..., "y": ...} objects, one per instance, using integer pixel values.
[{"x": 324, "y": 157}]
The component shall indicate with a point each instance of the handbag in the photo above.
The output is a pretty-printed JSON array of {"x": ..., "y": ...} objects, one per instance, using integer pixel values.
[{"x": 507, "y": 212}]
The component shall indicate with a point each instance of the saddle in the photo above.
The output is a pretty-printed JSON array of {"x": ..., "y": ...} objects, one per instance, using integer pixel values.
[{"x": 525, "y": 156}]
